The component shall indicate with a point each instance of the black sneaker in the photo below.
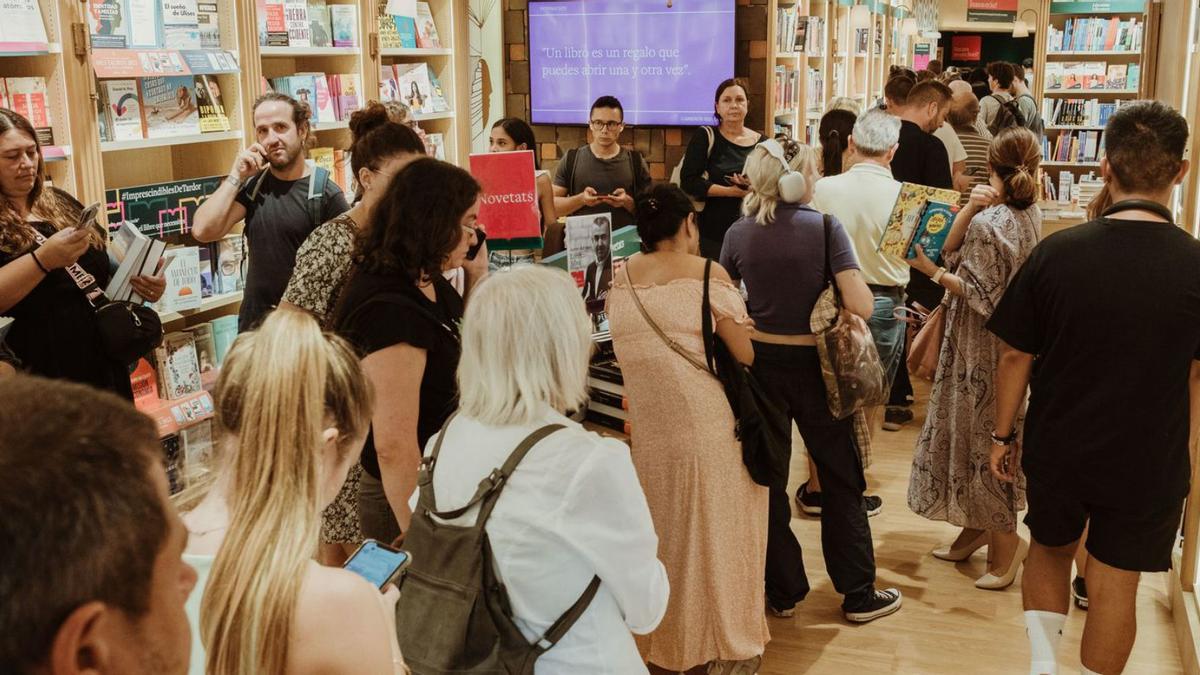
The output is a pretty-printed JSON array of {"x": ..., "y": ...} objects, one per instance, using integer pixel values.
[
  {"x": 809, "y": 502},
  {"x": 872, "y": 505},
  {"x": 1079, "y": 592},
  {"x": 879, "y": 604},
  {"x": 895, "y": 417}
]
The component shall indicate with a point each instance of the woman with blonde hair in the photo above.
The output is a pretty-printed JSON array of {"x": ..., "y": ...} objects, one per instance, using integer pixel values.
[
  {"x": 293, "y": 408},
  {"x": 991, "y": 238},
  {"x": 571, "y": 510},
  {"x": 786, "y": 252}
]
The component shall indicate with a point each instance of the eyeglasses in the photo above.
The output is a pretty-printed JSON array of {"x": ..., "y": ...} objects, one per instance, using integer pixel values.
[{"x": 597, "y": 125}]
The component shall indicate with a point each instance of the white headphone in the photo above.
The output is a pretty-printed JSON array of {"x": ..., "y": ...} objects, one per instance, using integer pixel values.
[{"x": 792, "y": 184}]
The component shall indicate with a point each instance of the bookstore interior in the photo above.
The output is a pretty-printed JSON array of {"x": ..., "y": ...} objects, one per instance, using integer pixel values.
[{"x": 141, "y": 106}]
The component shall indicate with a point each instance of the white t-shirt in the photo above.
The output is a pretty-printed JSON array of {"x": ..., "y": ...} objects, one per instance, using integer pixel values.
[
  {"x": 954, "y": 147},
  {"x": 573, "y": 509}
]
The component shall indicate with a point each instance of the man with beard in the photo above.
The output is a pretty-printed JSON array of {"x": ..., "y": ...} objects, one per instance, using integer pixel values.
[
  {"x": 598, "y": 276},
  {"x": 281, "y": 199}
]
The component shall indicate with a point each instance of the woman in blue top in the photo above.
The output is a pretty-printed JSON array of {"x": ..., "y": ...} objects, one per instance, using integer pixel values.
[
  {"x": 712, "y": 170},
  {"x": 778, "y": 250}
]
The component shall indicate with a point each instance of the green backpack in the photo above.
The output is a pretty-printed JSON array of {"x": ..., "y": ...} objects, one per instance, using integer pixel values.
[{"x": 453, "y": 615}]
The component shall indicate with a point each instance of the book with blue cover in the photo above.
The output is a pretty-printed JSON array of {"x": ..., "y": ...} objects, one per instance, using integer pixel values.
[
  {"x": 919, "y": 210},
  {"x": 933, "y": 229}
]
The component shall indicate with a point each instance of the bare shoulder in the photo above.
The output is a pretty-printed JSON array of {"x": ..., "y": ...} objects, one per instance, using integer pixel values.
[{"x": 340, "y": 625}]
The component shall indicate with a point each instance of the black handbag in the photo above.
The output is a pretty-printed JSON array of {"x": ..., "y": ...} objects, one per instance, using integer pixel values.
[
  {"x": 763, "y": 429},
  {"x": 127, "y": 331}
]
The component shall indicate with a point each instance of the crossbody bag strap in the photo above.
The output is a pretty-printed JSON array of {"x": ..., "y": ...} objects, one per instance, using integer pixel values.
[
  {"x": 560, "y": 627},
  {"x": 829, "y": 278},
  {"x": 492, "y": 484},
  {"x": 645, "y": 315},
  {"x": 83, "y": 279},
  {"x": 706, "y": 323}
]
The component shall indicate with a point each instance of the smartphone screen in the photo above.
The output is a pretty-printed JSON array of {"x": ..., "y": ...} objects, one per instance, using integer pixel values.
[{"x": 377, "y": 563}]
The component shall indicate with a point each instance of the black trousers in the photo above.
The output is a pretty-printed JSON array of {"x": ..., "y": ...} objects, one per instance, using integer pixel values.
[{"x": 792, "y": 376}]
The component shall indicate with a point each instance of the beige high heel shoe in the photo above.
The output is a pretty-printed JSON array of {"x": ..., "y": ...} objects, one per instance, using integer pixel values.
[
  {"x": 991, "y": 582},
  {"x": 963, "y": 552}
]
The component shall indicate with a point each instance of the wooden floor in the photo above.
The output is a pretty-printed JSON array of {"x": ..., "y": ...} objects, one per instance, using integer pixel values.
[{"x": 946, "y": 624}]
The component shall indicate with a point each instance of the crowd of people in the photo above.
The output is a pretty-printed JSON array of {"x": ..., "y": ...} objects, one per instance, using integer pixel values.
[{"x": 392, "y": 378}]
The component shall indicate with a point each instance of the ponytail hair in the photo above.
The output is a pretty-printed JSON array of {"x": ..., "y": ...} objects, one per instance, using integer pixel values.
[
  {"x": 1014, "y": 155},
  {"x": 834, "y": 134},
  {"x": 279, "y": 388}
]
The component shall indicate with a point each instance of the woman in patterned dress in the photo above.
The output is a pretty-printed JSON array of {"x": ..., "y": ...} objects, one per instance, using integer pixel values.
[
  {"x": 991, "y": 238},
  {"x": 381, "y": 147}
]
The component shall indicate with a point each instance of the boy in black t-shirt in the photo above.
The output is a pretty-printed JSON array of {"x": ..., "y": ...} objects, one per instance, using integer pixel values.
[{"x": 1103, "y": 323}]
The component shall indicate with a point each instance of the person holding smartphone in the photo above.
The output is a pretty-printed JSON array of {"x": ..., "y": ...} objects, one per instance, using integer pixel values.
[
  {"x": 712, "y": 173},
  {"x": 44, "y": 236},
  {"x": 288, "y": 396}
]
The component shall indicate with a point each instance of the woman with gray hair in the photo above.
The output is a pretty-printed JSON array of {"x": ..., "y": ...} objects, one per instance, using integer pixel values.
[
  {"x": 785, "y": 252},
  {"x": 572, "y": 509}
]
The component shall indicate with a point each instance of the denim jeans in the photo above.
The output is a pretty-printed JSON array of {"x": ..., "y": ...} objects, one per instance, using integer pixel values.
[{"x": 887, "y": 330}]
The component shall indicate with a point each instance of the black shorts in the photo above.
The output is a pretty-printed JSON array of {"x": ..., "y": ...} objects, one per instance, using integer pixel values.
[{"x": 1137, "y": 541}]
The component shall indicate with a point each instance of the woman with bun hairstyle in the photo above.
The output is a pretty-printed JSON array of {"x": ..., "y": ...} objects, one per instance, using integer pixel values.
[
  {"x": 991, "y": 238},
  {"x": 834, "y": 134},
  {"x": 710, "y": 516},
  {"x": 293, "y": 407},
  {"x": 379, "y": 149}
]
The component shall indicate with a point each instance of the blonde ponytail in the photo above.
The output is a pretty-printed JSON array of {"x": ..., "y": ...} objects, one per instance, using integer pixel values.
[{"x": 279, "y": 388}]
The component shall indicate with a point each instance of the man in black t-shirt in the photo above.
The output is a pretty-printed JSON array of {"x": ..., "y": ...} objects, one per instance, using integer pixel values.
[
  {"x": 270, "y": 186},
  {"x": 1103, "y": 323}
]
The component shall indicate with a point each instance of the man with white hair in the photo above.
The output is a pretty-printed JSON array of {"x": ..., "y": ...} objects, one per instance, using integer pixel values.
[
  {"x": 960, "y": 90},
  {"x": 862, "y": 199}
]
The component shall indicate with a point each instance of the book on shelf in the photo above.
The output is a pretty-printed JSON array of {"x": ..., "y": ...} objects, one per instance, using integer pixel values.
[
  {"x": 211, "y": 107},
  {"x": 107, "y": 23},
  {"x": 861, "y": 41},
  {"x": 435, "y": 146},
  {"x": 229, "y": 276},
  {"x": 323, "y": 158},
  {"x": 27, "y": 96},
  {"x": 206, "y": 352},
  {"x": 1116, "y": 76},
  {"x": 169, "y": 106},
  {"x": 225, "y": 331},
  {"x": 320, "y": 26},
  {"x": 173, "y": 459},
  {"x": 22, "y": 28},
  {"x": 346, "y": 91},
  {"x": 123, "y": 109},
  {"x": 344, "y": 20},
  {"x": 1133, "y": 77},
  {"x": 178, "y": 366},
  {"x": 209, "y": 22},
  {"x": 919, "y": 215},
  {"x": 274, "y": 23},
  {"x": 320, "y": 100},
  {"x": 1093, "y": 75},
  {"x": 427, "y": 32},
  {"x": 205, "y": 262},
  {"x": 144, "y": 18},
  {"x": 1078, "y": 112},
  {"x": 197, "y": 442},
  {"x": 395, "y": 31},
  {"x": 298, "y": 29},
  {"x": 144, "y": 381},
  {"x": 183, "y": 280},
  {"x": 1096, "y": 34},
  {"x": 180, "y": 24}
]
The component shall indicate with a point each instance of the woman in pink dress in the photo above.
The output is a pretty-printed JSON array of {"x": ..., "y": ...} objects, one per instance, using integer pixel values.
[{"x": 710, "y": 516}]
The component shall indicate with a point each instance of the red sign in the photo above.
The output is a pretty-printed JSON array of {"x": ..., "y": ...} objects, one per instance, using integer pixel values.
[
  {"x": 966, "y": 48},
  {"x": 1003, "y": 11},
  {"x": 509, "y": 209}
]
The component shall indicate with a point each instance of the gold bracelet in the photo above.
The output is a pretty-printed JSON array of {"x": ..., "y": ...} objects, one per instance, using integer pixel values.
[{"x": 937, "y": 276}]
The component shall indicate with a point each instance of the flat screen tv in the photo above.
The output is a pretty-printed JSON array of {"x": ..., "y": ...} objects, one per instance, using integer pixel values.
[{"x": 663, "y": 63}]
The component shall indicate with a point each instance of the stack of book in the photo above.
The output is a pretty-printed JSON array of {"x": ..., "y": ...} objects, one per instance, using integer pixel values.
[
  {"x": 330, "y": 98},
  {"x": 154, "y": 24},
  {"x": 1096, "y": 34},
  {"x": 161, "y": 107}
]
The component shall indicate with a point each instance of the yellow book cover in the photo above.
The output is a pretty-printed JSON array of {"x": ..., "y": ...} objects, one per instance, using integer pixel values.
[{"x": 906, "y": 215}]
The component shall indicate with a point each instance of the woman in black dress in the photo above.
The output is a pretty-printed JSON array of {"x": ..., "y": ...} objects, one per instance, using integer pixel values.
[
  {"x": 714, "y": 176},
  {"x": 54, "y": 333}
]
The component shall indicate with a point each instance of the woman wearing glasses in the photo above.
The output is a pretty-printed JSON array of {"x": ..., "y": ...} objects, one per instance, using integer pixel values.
[{"x": 712, "y": 169}]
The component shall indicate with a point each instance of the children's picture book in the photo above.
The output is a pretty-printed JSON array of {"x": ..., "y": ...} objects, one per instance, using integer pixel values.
[
  {"x": 427, "y": 32},
  {"x": 27, "y": 96},
  {"x": 909, "y": 216},
  {"x": 183, "y": 280},
  {"x": 319, "y": 25},
  {"x": 210, "y": 24},
  {"x": 344, "y": 19},
  {"x": 169, "y": 106},
  {"x": 509, "y": 208},
  {"x": 933, "y": 229},
  {"x": 298, "y": 29},
  {"x": 107, "y": 23},
  {"x": 180, "y": 24},
  {"x": 589, "y": 256},
  {"x": 211, "y": 107}
]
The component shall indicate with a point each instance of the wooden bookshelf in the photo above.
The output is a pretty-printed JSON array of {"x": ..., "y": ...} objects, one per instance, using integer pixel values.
[{"x": 806, "y": 68}]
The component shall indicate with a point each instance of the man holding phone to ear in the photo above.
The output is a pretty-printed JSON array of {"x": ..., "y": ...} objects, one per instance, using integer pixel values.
[
  {"x": 281, "y": 199},
  {"x": 602, "y": 176}
]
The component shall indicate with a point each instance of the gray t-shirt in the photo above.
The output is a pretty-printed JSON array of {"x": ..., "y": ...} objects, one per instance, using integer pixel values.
[
  {"x": 277, "y": 223},
  {"x": 604, "y": 176},
  {"x": 783, "y": 265}
]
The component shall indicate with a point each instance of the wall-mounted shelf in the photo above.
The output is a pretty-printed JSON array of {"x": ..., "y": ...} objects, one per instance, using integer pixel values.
[
  {"x": 1120, "y": 53},
  {"x": 1049, "y": 163},
  {"x": 417, "y": 51},
  {"x": 1083, "y": 93},
  {"x": 142, "y": 144},
  {"x": 294, "y": 52},
  {"x": 206, "y": 305},
  {"x": 1072, "y": 127}
]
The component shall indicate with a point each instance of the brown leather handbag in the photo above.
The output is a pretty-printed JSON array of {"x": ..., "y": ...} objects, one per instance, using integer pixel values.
[{"x": 926, "y": 346}]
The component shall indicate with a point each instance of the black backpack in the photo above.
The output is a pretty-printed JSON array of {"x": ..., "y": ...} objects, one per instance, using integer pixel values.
[
  {"x": 1009, "y": 115},
  {"x": 640, "y": 179},
  {"x": 453, "y": 615}
]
